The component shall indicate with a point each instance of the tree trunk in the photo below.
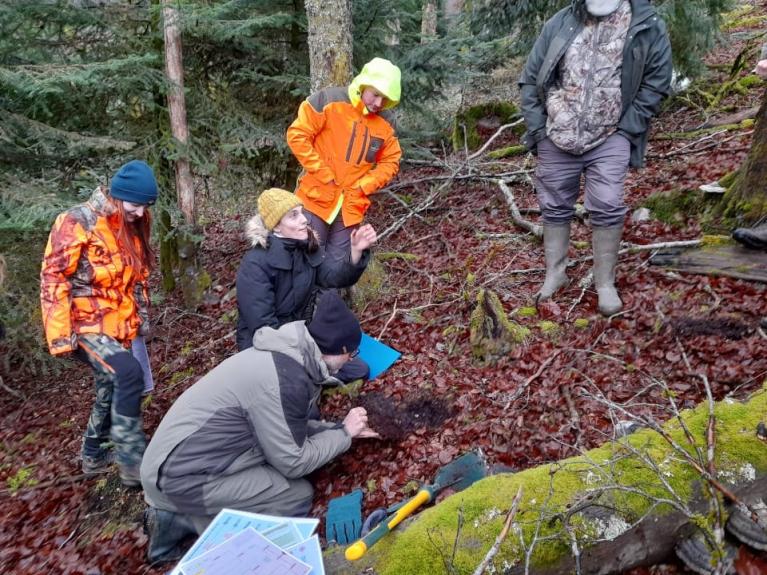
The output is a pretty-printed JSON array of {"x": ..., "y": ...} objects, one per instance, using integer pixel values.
[
  {"x": 429, "y": 21},
  {"x": 192, "y": 278},
  {"x": 453, "y": 8},
  {"x": 174, "y": 69},
  {"x": 747, "y": 198},
  {"x": 329, "y": 24}
]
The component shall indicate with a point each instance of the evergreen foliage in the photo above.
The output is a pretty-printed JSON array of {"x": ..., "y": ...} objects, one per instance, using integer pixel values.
[{"x": 693, "y": 25}]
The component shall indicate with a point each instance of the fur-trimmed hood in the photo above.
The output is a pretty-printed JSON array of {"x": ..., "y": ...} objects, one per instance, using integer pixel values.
[{"x": 256, "y": 232}]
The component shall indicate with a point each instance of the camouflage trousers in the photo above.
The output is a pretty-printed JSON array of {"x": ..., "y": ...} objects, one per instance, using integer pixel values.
[{"x": 116, "y": 412}]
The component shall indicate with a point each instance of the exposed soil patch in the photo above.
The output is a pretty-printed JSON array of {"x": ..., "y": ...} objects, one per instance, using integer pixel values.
[
  {"x": 727, "y": 328},
  {"x": 395, "y": 422}
]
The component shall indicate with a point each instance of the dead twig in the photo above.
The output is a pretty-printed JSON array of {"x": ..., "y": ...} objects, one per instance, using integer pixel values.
[
  {"x": 516, "y": 216},
  {"x": 12, "y": 391},
  {"x": 521, "y": 389},
  {"x": 492, "y": 138},
  {"x": 501, "y": 536},
  {"x": 388, "y": 321}
]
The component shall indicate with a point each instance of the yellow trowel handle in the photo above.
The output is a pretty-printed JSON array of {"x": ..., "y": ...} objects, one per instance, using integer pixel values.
[{"x": 358, "y": 549}]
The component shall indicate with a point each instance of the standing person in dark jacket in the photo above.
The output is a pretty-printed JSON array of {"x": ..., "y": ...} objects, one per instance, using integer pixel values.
[
  {"x": 247, "y": 434},
  {"x": 279, "y": 277},
  {"x": 595, "y": 77}
]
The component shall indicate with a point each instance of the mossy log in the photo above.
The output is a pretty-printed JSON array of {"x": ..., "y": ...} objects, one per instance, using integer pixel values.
[
  {"x": 608, "y": 501},
  {"x": 492, "y": 334},
  {"x": 508, "y": 152}
]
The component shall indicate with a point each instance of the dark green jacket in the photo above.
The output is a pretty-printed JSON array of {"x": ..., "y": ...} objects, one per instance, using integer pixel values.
[{"x": 645, "y": 75}]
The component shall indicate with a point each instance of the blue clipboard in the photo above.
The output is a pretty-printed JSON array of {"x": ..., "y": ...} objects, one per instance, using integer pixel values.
[{"x": 377, "y": 355}]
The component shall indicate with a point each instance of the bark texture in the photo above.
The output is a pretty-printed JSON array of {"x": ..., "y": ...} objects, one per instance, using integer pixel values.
[
  {"x": 329, "y": 25},
  {"x": 429, "y": 21},
  {"x": 174, "y": 69},
  {"x": 747, "y": 197}
]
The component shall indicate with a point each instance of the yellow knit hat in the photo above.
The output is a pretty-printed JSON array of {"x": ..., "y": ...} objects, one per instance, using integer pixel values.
[{"x": 275, "y": 203}]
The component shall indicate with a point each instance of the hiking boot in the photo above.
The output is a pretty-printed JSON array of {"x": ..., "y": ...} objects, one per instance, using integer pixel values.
[
  {"x": 166, "y": 531},
  {"x": 605, "y": 243},
  {"x": 556, "y": 241},
  {"x": 130, "y": 475},
  {"x": 754, "y": 238},
  {"x": 98, "y": 464}
]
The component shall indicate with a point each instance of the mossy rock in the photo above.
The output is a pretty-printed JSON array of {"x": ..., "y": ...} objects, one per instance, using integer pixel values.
[
  {"x": 498, "y": 112},
  {"x": 551, "y": 490}
]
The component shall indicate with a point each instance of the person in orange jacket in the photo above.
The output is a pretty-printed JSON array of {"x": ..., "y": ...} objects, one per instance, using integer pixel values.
[
  {"x": 345, "y": 140},
  {"x": 93, "y": 292}
]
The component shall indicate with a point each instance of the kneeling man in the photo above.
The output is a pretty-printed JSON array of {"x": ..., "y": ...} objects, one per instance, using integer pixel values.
[{"x": 246, "y": 434}]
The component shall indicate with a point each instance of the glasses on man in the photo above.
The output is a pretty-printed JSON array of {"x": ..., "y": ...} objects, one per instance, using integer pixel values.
[{"x": 354, "y": 354}]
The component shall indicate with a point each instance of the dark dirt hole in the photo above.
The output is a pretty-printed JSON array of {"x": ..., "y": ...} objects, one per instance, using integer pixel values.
[
  {"x": 727, "y": 328},
  {"x": 395, "y": 422}
]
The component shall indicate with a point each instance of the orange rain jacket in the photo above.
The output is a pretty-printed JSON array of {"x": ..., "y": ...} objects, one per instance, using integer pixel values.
[
  {"x": 347, "y": 153},
  {"x": 85, "y": 285}
]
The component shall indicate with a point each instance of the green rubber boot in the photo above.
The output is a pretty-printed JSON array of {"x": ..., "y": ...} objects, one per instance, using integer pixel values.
[
  {"x": 556, "y": 241},
  {"x": 605, "y": 243}
]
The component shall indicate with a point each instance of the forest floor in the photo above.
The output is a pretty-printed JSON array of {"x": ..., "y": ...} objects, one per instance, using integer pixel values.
[{"x": 53, "y": 520}]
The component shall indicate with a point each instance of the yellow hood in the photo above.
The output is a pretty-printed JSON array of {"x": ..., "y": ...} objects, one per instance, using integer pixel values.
[{"x": 381, "y": 75}]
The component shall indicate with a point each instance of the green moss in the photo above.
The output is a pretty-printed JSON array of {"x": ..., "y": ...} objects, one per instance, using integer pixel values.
[
  {"x": 510, "y": 151},
  {"x": 676, "y": 206},
  {"x": 551, "y": 489},
  {"x": 24, "y": 477},
  {"x": 465, "y": 123},
  {"x": 371, "y": 284},
  {"x": 715, "y": 241},
  {"x": 491, "y": 333},
  {"x": 745, "y": 22},
  {"x": 727, "y": 180},
  {"x": 386, "y": 256},
  {"x": 548, "y": 327},
  {"x": 581, "y": 323},
  {"x": 751, "y": 81},
  {"x": 527, "y": 312}
]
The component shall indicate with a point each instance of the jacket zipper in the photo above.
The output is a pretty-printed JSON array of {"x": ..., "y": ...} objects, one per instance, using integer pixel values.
[
  {"x": 364, "y": 143},
  {"x": 351, "y": 142},
  {"x": 589, "y": 81}
]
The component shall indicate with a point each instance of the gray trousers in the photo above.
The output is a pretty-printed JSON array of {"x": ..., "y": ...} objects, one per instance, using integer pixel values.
[
  {"x": 558, "y": 182},
  {"x": 334, "y": 237},
  {"x": 243, "y": 492}
]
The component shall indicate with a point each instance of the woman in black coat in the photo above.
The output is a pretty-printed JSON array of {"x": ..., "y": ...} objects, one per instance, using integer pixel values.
[{"x": 280, "y": 275}]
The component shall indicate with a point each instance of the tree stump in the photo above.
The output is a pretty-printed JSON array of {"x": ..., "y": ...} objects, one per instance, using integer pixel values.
[{"x": 492, "y": 334}]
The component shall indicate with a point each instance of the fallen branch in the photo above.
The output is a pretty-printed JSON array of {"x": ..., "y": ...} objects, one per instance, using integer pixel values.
[
  {"x": 12, "y": 391},
  {"x": 493, "y": 137},
  {"x": 501, "y": 536},
  {"x": 516, "y": 216},
  {"x": 631, "y": 249}
]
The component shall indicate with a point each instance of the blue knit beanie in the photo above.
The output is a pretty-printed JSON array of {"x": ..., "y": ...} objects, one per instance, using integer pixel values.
[{"x": 134, "y": 183}]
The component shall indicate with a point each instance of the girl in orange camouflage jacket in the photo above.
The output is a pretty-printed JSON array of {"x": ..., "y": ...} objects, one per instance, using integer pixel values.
[{"x": 94, "y": 301}]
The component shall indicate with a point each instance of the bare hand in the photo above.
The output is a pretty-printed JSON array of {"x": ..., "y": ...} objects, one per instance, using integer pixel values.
[
  {"x": 761, "y": 68},
  {"x": 363, "y": 237},
  {"x": 356, "y": 423}
]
